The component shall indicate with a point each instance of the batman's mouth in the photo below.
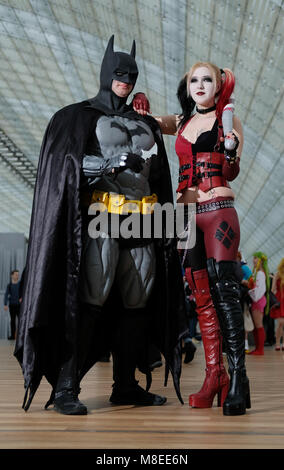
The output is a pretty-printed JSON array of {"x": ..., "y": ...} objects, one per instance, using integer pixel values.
[{"x": 124, "y": 85}]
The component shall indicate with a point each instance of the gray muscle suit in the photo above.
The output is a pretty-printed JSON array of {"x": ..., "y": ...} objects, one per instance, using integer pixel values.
[{"x": 104, "y": 262}]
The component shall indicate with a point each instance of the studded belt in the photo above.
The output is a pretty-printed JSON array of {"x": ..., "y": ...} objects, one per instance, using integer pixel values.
[{"x": 214, "y": 206}]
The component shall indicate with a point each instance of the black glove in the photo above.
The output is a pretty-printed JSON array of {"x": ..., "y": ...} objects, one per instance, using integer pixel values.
[
  {"x": 132, "y": 161},
  {"x": 94, "y": 166}
]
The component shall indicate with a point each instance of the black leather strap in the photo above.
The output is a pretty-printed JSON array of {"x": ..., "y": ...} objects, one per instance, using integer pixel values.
[
  {"x": 209, "y": 174},
  {"x": 208, "y": 165}
]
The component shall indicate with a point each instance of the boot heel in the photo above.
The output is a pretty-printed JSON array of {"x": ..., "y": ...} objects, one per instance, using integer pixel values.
[
  {"x": 248, "y": 402},
  {"x": 219, "y": 399},
  {"x": 222, "y": 394}
]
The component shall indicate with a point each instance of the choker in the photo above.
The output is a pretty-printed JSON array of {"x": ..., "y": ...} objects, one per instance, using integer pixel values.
[{"x": 205, "y": 111}]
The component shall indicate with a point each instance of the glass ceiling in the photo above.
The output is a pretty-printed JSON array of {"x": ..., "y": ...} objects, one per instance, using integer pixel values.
[{"x": 50, "y": 56}]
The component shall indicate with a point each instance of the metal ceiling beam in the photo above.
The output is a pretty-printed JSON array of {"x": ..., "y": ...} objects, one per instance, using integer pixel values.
[{"x": 16, "y": 160}]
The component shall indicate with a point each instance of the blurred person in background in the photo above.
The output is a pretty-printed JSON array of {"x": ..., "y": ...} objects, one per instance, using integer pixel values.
[
  {"x": 277, "y": 310},
  {"x": 245, "y": 298},
  {"x": 259, "y": 287},
  {"x": 12, "y": 301}
]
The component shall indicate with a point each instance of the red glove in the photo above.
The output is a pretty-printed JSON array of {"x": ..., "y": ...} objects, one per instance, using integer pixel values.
[
  {"x": 141, "y": 104},
  {"x": 231, "y": 165},
  {"x": 231, "y": 170}
]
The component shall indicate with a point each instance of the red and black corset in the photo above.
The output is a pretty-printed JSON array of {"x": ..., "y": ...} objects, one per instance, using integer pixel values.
[{"x": 201, "y": 163}]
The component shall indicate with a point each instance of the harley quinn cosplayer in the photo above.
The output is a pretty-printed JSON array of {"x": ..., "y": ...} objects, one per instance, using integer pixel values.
[{"x": 205, "y": 169}]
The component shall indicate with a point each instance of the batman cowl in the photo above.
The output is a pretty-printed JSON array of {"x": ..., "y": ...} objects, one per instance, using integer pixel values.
[{"x": 116, "y": 66}]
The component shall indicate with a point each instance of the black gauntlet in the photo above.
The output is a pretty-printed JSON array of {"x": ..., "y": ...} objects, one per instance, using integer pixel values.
[{"x": 94, "y": 166}]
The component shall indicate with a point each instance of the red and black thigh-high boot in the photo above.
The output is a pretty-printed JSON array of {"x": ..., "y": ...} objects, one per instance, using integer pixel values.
[{"x": 216, "y": 380}]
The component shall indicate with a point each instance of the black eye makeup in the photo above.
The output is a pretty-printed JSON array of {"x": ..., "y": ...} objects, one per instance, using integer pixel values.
[
  {"x": 119, "y": 73},
  {"x": 206, "y": 78}
]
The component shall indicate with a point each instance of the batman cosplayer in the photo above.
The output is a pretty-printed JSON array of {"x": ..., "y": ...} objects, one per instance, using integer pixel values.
[{"x": 86, "y": 295}]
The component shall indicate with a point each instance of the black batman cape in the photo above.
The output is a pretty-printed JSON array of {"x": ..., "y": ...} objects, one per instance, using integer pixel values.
[{"x": 50, "y": 306}]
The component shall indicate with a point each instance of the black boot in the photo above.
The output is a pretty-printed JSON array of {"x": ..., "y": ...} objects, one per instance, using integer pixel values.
[
  {"x": 67, "y": 403},
  {"x": 90, "y": 345},
  {"x": 131, "y": 345},
  {"x": 66, "y": 393},
  {"x": 226, "y": 296},
  {"x": 93, "y": 340},
  {"x": 135, "y": 395}
]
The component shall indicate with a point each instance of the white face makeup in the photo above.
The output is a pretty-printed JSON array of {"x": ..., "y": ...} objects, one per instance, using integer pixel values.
[
  {"x": 121, "y": 89},
  {"x": 202, "y": 87}
]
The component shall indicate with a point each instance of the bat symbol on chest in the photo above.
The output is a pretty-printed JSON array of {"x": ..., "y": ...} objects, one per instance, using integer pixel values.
[{"x": 139, "y": 130}]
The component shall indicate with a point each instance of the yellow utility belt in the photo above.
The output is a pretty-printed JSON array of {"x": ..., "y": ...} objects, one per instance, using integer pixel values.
[{"x": 118, "y": 204}]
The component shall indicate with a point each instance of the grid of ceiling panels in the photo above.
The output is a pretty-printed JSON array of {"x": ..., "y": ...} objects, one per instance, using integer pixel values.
[{"x": 50, "y": 56}]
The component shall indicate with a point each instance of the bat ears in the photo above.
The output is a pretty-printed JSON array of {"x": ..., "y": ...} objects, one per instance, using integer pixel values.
[
  {"x": 133, "y": 49},
  {"x": 109, "y": 49}
]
